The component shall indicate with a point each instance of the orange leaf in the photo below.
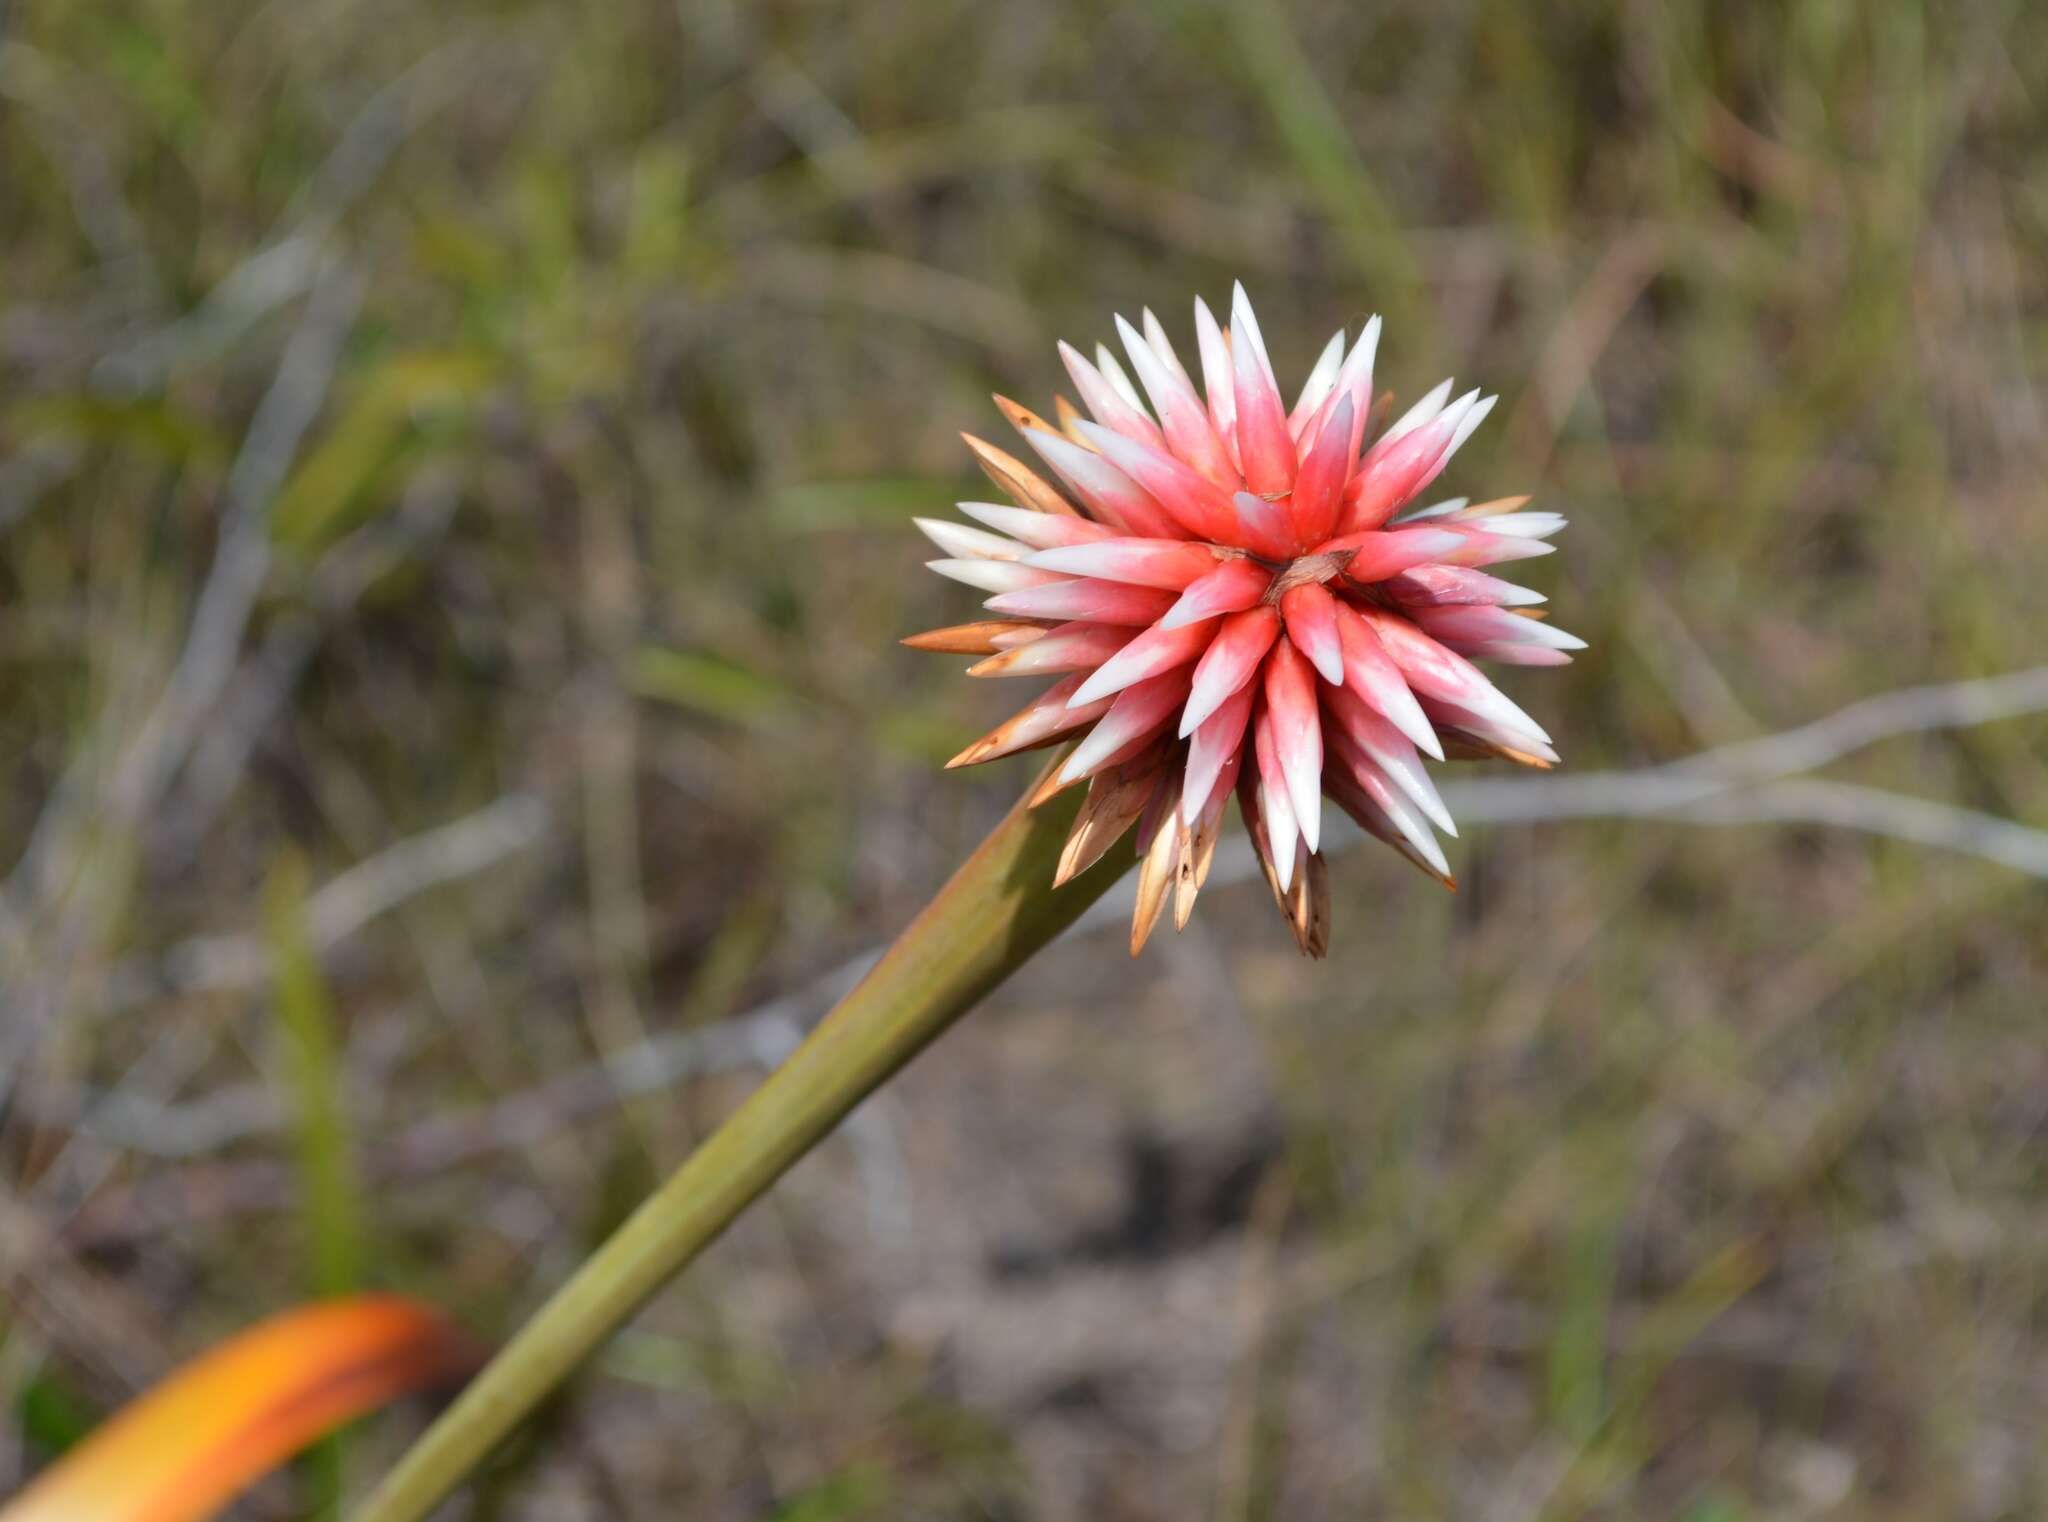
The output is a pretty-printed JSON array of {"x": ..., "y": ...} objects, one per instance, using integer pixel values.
[{"x": 180, "y": 1450}]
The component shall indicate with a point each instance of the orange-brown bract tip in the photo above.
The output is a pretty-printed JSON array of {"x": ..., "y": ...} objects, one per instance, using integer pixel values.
[
  {"x": 1156, "y": 874},
  {"x": 1070, "y": 419},
  {"x": 978, "y": 638},
  {"x": 1022, "y": 418},
  {"x": 1306, "y": 905},
  {"x": 1049, "y": 787},
  {"x": 1019, "y": 482},
  {"x": 1117, "y": 798}
]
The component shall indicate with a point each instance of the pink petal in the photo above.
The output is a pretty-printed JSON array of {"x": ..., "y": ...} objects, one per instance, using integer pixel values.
[
  {"x": 1355, "y": 801},
  {"x": 1216, "y": 382},
  {"x": 1162, "y": 347},
  {"x": 1213, "y": 744},
  {"x": 1048, "y": 715},
  {"x": 1448, "y": 585},
  {"x": 1377, "y": 554},
  {"x": 1103, "y": 401},
  {"x": 1402, "y": 464},
  {"x": 1392, "y": 806},
  {"x": 1453, "y": 716},
  {"x": 993, "y": 575},
  {"x": 1229, "y": 662},
  {"x": 1311, "y": 616},
  {"x": 962, "y": 542},
  {"x": 1282, "y": 830},
  {"x": 1322, "y": 379},
  {"x": 1190, "y": 435},
  {"x": 1133, "y": 714},
  {"x": 1483, "y": 625},
  {"x": 1168, "y": 563},
  {"x": 1390, "y": 750},
  {"x": 1232, "y": 587},
  {"x": 1194, "y": 502},
  {"x": 1426, "y": 409},
  {"x": 1392, "y": 472},
  {"x": 1297, "y": 734},
  {"x": 1070, "y": 647},
  {"x": 1264, "y": 446},
  {"x": 1432, "y": 671},
  {"x": 1371, "y": 673},
  {"x": 1104, "y": 490},
  {"x": 1507, "y": 653},
  {"x": 1099, "y": 602},
  {"x": 1354, "y": 381},
  {"x": 1320, "y": 482},
  {"x": 1042, "y": 531},
  {"x": 1484, "y": 548},
  {"x": 1154, "y": 651},
  {"x": 1263, "y": 527}
]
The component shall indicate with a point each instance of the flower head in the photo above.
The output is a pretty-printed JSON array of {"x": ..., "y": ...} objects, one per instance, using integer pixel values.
[{"x": 1230, "y": 602}]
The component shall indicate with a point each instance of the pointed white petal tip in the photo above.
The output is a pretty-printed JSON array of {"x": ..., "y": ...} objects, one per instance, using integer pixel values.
[
  {"x": 1283, "y": 866},
  {"x": 1322, "y": 376},
  {"x": 1441, "y": 509},
  {"x": 1311, "y": 824},
  {"x": 1491, "y": 703},
  {"x": 1095, "y": 687},
  {"x": 1085, "y": 756},
  {"x": 1524, "y": 525},
  {"x": 1072, "y": 559},
  {"x": 1469, "y": 423},
  {"x": 1433, "y": 853},
  {"x": 1114, "y": 372},
  {"x": 1511, "y": 547},
  {"x": 962, "y": 542},
  {"x": 1424, "y": 411},
  {"x": 995, "y": 515},
  {"x": 991, "y": 575}
]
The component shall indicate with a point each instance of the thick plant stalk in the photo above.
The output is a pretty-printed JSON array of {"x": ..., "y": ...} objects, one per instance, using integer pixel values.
[{"x": 988, "y": 920}]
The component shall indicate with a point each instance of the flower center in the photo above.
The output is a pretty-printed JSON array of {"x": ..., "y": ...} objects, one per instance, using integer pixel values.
[{"x": 1307, "y": 570}]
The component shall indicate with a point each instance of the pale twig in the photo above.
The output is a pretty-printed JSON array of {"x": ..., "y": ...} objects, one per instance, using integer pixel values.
[
  {"x": 1663, "y": 789},
  {"x": 146, "y": 762},
  {"x": 268, "y": 677},
  {"x": 346, "y": 903},
  {"x": 1920, "y": 821},
  {"x": 109, "y": 792}
]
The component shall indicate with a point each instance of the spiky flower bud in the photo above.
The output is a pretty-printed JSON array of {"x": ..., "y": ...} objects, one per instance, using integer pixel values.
[{"x": 1230, "y": 602}]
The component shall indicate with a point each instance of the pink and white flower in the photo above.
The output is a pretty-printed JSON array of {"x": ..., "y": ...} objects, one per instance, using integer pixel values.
[{"x": 1233, "y": 599}]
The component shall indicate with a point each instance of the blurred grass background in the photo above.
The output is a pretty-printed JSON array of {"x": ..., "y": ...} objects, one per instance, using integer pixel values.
[{"x": 501, "y": 420}]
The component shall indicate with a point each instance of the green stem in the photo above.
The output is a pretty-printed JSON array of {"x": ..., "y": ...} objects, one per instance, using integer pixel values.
[{"x": 996, "y": 911}]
